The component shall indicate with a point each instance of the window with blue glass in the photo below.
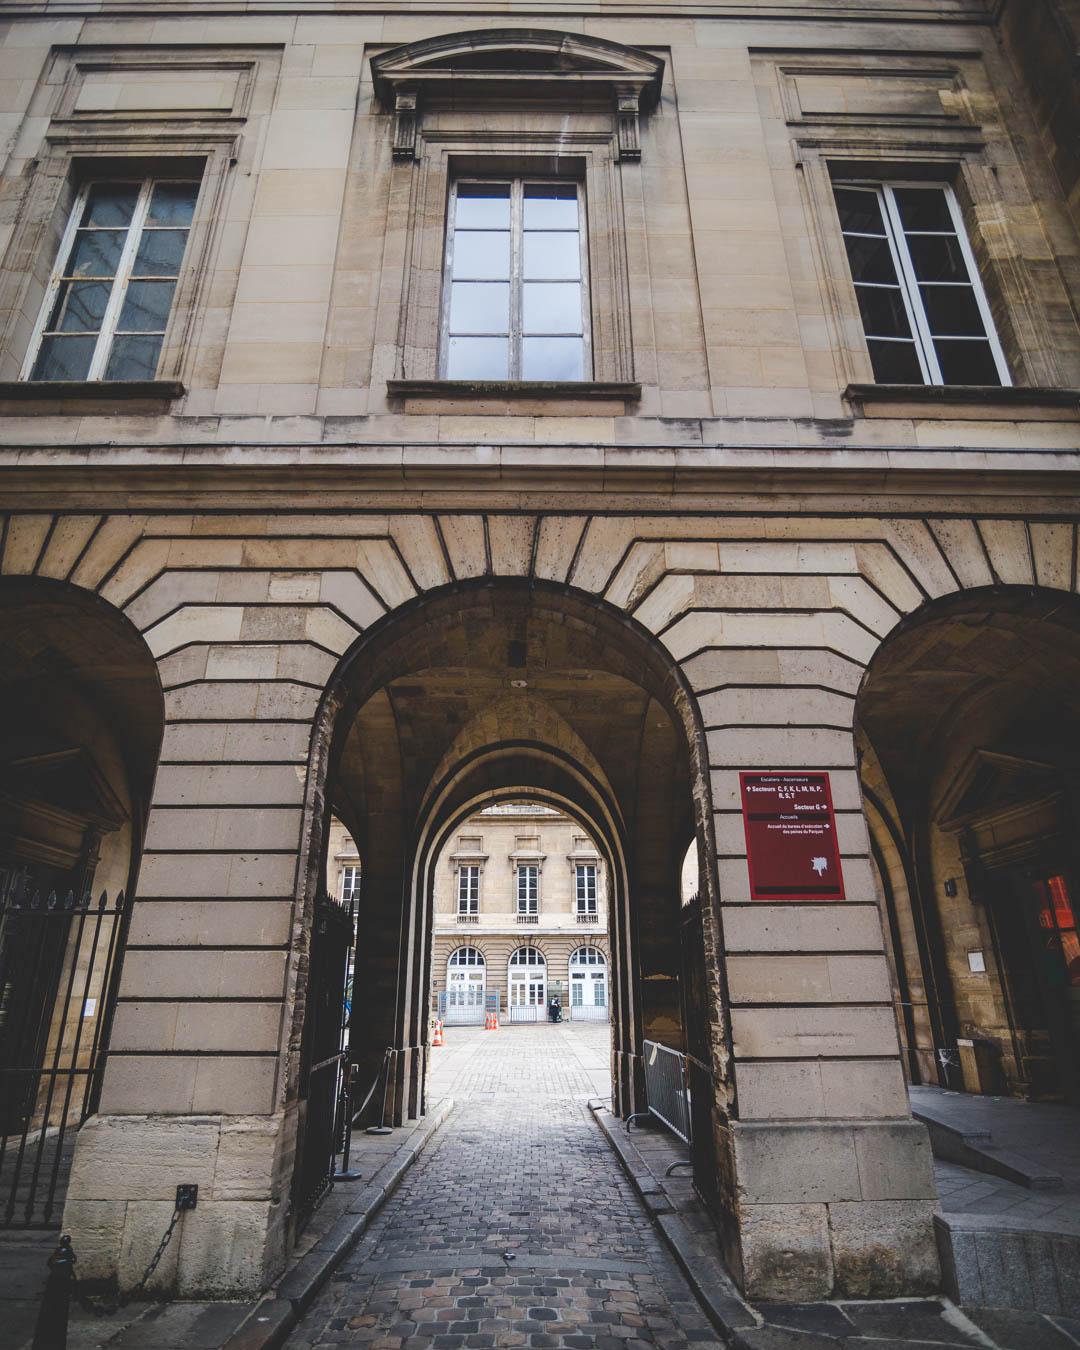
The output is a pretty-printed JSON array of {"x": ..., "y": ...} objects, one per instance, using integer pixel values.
[{"x": 110, "y": 296}]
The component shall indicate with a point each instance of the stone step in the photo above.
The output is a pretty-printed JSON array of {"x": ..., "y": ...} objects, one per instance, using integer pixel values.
[{"x": 976, "y": 1149}]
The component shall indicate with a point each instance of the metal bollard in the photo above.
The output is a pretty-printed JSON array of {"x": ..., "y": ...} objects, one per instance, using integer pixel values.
[{"x": 52, "y": 1323}]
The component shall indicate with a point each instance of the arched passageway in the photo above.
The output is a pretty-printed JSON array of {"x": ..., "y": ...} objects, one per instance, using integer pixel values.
[
  {"x": 969, "y": 723},
  {"x": 80, "y": 729},
  {"x": 500, "y": 691}
]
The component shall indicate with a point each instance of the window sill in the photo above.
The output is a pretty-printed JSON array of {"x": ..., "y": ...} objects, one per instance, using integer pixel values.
[
  {"x": 521, "y": 397},
  {"x": 964, "y": 402},
  {"x": 64, "y": 392}
]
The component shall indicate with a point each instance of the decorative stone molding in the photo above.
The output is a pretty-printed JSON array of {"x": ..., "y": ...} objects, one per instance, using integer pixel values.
[
  {"x": 561, "y": 67},
  {"x": 628, "y": 106},
  {"x": 405, "y": 122}
]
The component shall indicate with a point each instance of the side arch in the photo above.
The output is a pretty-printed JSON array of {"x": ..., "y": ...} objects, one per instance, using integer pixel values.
[{"x": 963, "y": 719}]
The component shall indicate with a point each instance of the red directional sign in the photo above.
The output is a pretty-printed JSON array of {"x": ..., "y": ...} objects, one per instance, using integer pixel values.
[{"x": 791, "y": 847}]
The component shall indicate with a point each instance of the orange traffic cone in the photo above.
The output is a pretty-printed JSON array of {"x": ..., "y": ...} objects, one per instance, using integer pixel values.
[
  {"x": 494, "y": 1021},
  {"x": 437, "y": 1039}
]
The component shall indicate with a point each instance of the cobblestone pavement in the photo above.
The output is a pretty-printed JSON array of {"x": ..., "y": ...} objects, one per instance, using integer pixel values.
[{"x": 517, "y": 1227}]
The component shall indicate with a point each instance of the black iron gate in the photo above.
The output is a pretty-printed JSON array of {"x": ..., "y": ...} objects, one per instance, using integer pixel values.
[
  {"x": 58, "y": 972},
  {"x": 324, "y": 1051}
]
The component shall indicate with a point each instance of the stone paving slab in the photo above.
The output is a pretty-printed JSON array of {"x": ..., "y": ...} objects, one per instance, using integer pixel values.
[
  {"x": 1004, "y": 1244},
  {"x": 1041, "y": 1138}
]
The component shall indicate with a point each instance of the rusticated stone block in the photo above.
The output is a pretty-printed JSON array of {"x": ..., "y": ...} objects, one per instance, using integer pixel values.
[
  {"x": 229, "y": 1249},
  {"x": 883, "y": 1248},
  {"x": 786, "y": 1255}
]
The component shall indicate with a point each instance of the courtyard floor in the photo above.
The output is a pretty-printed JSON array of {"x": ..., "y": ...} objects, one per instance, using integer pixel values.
[{"x": 517, "y": 1227}]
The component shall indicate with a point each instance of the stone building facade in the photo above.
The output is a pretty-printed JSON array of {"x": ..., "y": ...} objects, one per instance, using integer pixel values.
[
  {"x": 519, "y": 918},
  {"x": 342, "y": 862},
  {"x": 699, "y": 473}
]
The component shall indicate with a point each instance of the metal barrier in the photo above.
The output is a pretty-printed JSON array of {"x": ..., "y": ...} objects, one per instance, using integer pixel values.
[
  {"x": 667, "y": 1089},
  {"x": 527, "y": 1012}
]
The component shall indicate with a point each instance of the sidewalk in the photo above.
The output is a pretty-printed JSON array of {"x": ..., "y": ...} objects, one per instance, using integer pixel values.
[
  {"x": 900, "y": 1324},
  {"x": 1008, "y": 1174},
  {"x": 339, "y": 1221}
]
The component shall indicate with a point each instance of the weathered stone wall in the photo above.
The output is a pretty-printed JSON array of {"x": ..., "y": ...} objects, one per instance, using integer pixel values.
[
  {"x": 270, "y": 499},
  {"x": 773, "y": 622}
]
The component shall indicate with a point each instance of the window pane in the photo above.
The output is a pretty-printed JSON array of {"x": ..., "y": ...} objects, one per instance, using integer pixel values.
[
  {"x": 924, "y": 209},
  {"x": 553, "y": 358},
  {"x": 551, "y": 307},
  {"x": 551, "y": 206},
  {"x": 555, "y": 255},
  {"x": 895, "y": 362},
  {"x": 111, "y": 204},
  {"x": 173, "y": 203},
  {"x": 79, "y": 306},
  {"x": 883, "y": 312},
  {"x": 953, "y": 311},
  {"x": 483, "y": 206},
  {"x": 160, "y": 253},
  {"x": 967, "y": 363},
  {"x": 64, "y": 358},
  {"x": 482, "y": 254},
  {"x": 859, "y": 211},
  {"x": 146, "y": 306},
  {"x": 96, "y": 253},
  {"x": 937, "y": 258},
  {"x": 480, "y": 307},
  {"x": 133, "y": 358},
  {"x": 870, "y": 259},
  {"x": 478, "y": 358}
]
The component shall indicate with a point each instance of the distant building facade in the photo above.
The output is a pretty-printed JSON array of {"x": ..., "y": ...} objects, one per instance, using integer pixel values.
[
  {"x": 520, "y": 918},
  {"x": 342, "y": 863}
]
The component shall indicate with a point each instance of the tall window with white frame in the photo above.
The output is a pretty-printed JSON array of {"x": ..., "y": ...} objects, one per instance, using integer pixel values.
[
  {"x": 110, "y": 295},
  {"x": 350, "y": 883},
  {"x": 515, "y": 293},
  {"x": 528, "y": 892},
  {"x": 468, "y": 896},
  {"x": 924, "y": 311},
  {"x": 585, "y": 892}
]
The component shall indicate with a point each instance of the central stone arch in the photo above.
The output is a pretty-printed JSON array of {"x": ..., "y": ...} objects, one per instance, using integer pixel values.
[{"x": 496, "y": 688}]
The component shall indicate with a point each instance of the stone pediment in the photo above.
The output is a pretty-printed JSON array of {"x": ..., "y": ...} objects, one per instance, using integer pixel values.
[
  {"x": 994, "y": 782},
  {"x": 518, "y": 61}
]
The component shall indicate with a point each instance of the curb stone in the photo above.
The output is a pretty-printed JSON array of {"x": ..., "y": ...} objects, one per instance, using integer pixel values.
[
  {"x": 723, "y": 1306},
  {"x": 275, "y": 1315}
]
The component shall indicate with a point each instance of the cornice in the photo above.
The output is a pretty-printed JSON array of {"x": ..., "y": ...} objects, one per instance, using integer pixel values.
[
  {"x": 937, "y": 12},
  {"x": 540, "y": 478}
]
